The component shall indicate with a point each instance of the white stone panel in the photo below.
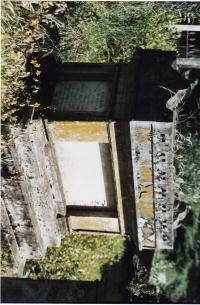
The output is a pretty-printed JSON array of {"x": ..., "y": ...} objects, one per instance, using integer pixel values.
[{"x": 86, "y": 173}]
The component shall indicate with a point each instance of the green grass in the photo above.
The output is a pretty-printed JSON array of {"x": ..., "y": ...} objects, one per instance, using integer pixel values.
[
  {"x": 114, "y": 31},
  {"x": 80, "y": 257}
]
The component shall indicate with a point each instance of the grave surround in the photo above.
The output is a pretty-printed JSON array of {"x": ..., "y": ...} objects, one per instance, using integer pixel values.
[{"x": 107, "y": 128}]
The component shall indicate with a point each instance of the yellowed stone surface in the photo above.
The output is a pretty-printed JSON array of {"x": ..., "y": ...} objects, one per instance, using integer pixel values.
[
  {"x": 147, "y": 192},
  {"x": 147, "y": 232},
  {"x": 146, "y": 173},
  {"x": 143, "y": 135},
  {"x": 149, "y": 243},
  {"x": 146, "y": 209},
  {"x": 79, "y": 131},
  {"x": 103, "y": 224}
]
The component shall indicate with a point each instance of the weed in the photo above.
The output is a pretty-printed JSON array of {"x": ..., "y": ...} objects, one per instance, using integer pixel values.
[{"x": 80, "y": 257}]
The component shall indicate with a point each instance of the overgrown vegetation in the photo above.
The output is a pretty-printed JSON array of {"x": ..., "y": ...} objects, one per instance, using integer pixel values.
[
  {"x": 140, "y": 288},
  {"x": 77, "y": 31},
  {"x": 98, "y": 32},
  {"x": 80, "y": 257},
  {"x": 25, "y": 37},
  {"x": 115, "y": 31},
  {"x": 6, "y": 260}
]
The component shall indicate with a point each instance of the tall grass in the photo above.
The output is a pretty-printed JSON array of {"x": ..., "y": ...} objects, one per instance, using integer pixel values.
[
  {"x": 116, "y": 30},
  {"x": 25, "y": 37}
]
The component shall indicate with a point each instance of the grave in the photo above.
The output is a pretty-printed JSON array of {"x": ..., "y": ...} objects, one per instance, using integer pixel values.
[
  {"x": 107, "y": 124},
  {"x": 99, "y": 160}
]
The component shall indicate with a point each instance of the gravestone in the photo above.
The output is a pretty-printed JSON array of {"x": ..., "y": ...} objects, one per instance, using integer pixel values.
[{"x": 113, "y": 91}]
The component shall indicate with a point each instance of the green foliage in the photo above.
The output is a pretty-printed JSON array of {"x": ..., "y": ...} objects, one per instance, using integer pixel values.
[
  {"x": 189, "y": 11},
  {"x": 25, "y": 36},
  {"x": 172, "y": 277},
  {"x": 6, "y": 261},
  {"x": 140, "y": 286},
  {"x": 77, "y": 31},
  {"x": 188, "y": 170},
  {"x": 80, "y": 257},
  {"x": 114, "y": 32}
]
